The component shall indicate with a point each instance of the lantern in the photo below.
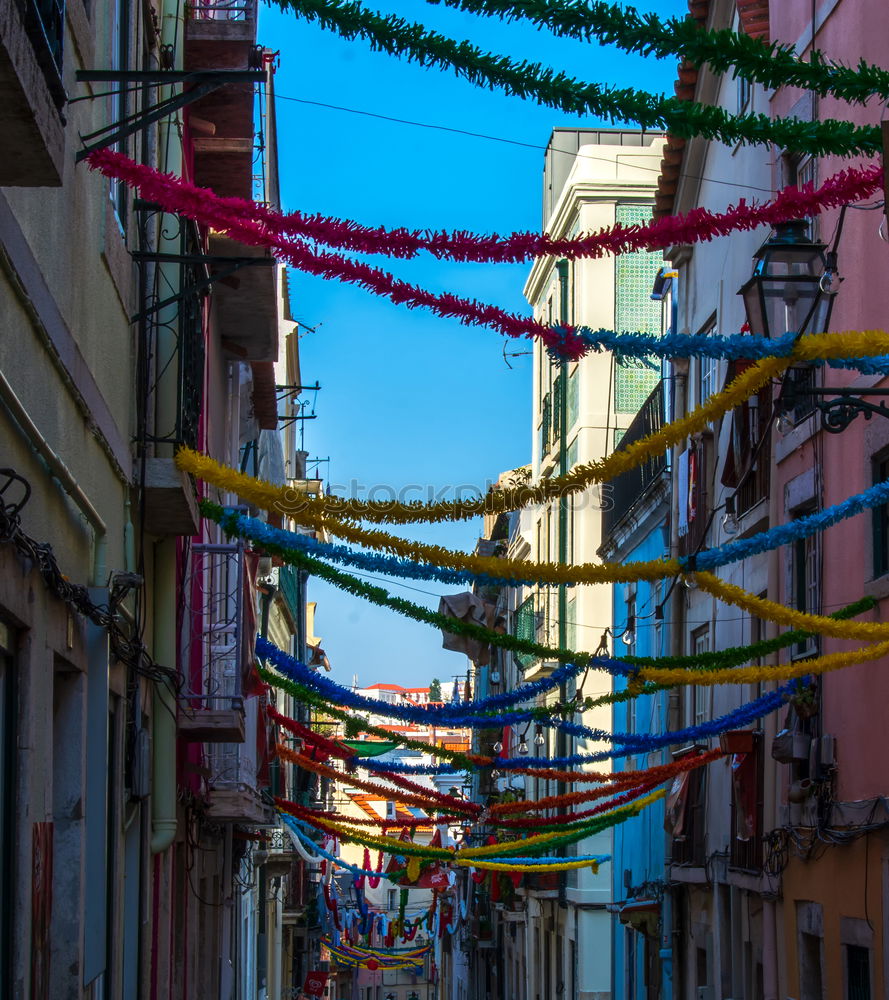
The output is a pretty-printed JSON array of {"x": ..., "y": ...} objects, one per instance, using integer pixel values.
[{"x": 791, "y": 287}]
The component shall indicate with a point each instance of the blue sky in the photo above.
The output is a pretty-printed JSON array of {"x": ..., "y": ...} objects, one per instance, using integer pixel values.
[{"x": 408, "y": 397}]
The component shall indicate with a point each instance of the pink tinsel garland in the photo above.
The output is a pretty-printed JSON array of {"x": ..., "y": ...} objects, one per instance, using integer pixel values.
[
  {"x": 256, "y": 225},
  {"x": 699, "y": 224}
]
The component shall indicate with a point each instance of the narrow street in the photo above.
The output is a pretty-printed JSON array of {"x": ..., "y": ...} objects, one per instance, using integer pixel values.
[{"x": 444, "y": 500}]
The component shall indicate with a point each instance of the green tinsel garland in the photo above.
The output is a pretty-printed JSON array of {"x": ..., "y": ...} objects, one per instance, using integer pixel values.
[
  {"x": 381, "y": 597},
  {"x": 356, "y": 723},
  {"x": 772, "y": 64},
  {"x": 413, "y": 42},
  {"x": 734, "y": 656}
]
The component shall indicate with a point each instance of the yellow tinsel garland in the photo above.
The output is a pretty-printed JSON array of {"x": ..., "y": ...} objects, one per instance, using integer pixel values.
[
  {"x": 287, "y": 500},
  {"x": 754, "y": 675},
  {"x": 813, "y": 347},
  {"x": 467, "y": 855},
  {"x": 770, "y": 611}
]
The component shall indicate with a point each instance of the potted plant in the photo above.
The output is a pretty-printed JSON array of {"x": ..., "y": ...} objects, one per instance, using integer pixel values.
[{"x": 805, "y": 701}]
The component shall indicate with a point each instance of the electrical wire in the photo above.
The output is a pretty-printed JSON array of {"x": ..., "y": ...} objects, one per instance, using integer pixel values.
[{"x": 502, "y": 139}]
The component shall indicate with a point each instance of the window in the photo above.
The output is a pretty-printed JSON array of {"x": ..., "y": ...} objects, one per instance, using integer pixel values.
[
  {"x": 45, "y": 24},
  {"x": 700, "y": 643},
  {"x": 805, "y": 581},
  {"x": 573, "y": 402},
  {"x": 571, "y": 624},
  {"x": 880, "y": 520},
  {"x": 745, "y": 92},
  {"x": 810, "y": 978},
  {"x": 708, "y": 368},
  {"x": 634, "y": 309},
  {"x": 392, "y": 904},
  {"x": 799, "y": 170},
  {"x": 120, "y": 60},
  {"x": 857, "y": 972}
]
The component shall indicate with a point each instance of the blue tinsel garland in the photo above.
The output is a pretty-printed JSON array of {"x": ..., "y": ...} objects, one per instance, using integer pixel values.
[
  {"x": 299, "y": 672},
  {"x": 632, "y": 744},
  {"x": 736, "y": 347},
  {"x": 782, "y": 534}
]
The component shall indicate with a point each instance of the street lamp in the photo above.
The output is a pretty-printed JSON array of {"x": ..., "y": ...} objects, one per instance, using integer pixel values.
[{"x": 791, "y": 289}]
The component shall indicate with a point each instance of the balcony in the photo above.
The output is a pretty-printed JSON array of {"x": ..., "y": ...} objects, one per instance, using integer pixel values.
[
  {"x": 246, "y": 309},
  {"x": 280, "y": 857},
  {"x": 630, "y": 488},
  {"x": 213, "y": 704},
  {"x": 33, "y": 93},
  {"x": 537, "y": 619},
  {"x": 222, "y": 35},
  {"x": 234, "y": 796},
  {"x": 170, "y": 372}
]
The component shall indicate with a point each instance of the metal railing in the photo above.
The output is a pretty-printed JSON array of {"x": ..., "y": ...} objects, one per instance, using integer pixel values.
[
  {"x": 214, "y": 597},
  {"x": 631, "y": 486},
  {"x": 45, "y": 24},
  {"x": 171, "y": 336},
  {"x": 223, "y": 10},
  {"x": 546, "y": 425}
]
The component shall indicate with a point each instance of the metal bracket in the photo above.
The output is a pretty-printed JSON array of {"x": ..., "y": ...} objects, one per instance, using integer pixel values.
[
  {"x": 847, "y": 404},
  {"x": 205, "y": 82},
  {"x": 234, "y": 264}
]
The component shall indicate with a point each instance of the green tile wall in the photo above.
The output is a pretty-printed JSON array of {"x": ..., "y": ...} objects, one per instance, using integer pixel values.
[{"x": 634, "y": 311}]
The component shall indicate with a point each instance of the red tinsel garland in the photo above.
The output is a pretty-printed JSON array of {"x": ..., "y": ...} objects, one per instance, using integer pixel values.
[
  {"x": 424, "y": 801},
  {"x": 617, "y": 779},
  {"x": 699, "y": 224},
  {"x": 328, "y": 746},
  {"x": 203, "y": 206},
  {"x": 257, "y": 226}
]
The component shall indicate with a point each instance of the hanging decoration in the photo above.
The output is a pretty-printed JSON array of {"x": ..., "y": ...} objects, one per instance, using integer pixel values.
[
  {"x": 773, "y": 64},
  {"x": 311, "y": 512},
  {"x": 521, "y": 572},
  {"x": 379, "y": 596},
  {"x": 413, "y": 42},
  {"x": 433, "y": 714},
  {"x": 698, "y": 225},
  {"x": 356, "y": 723},
  {"x": 737, "y": 655},
  {"x": 293, "y": 826},
  {"x": 641, "y": 742},
  {"x": 427, "y": 802},
  {"x": 471, "y": 856},
  {"x": 760, "y": 607},
  {"x": 766, "y": 674}
]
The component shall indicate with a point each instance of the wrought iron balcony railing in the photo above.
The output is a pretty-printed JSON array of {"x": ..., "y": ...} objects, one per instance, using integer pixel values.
[
  {"x": 170, "y": 377},
  {"x": 631, "y": 486},
  {"x": 222, "y": 10},
  {"x": 213, "y": 591}
]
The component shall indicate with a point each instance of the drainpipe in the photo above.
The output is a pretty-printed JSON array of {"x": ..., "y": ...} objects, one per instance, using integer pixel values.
[
  {"x": 770, "y": 930},
  {"x": 63, "y": 476},
  {"x": 561, "y": 738},
  {"x": 163, "y": 798},
  {"x": 676, "y": 617},
  {"x": 163, "y": 741}
]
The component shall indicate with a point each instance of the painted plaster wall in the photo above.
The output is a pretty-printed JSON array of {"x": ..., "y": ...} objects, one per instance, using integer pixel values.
[
  {"x": 844, "y": 30},
  {"x": 639, "y": 843}
]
